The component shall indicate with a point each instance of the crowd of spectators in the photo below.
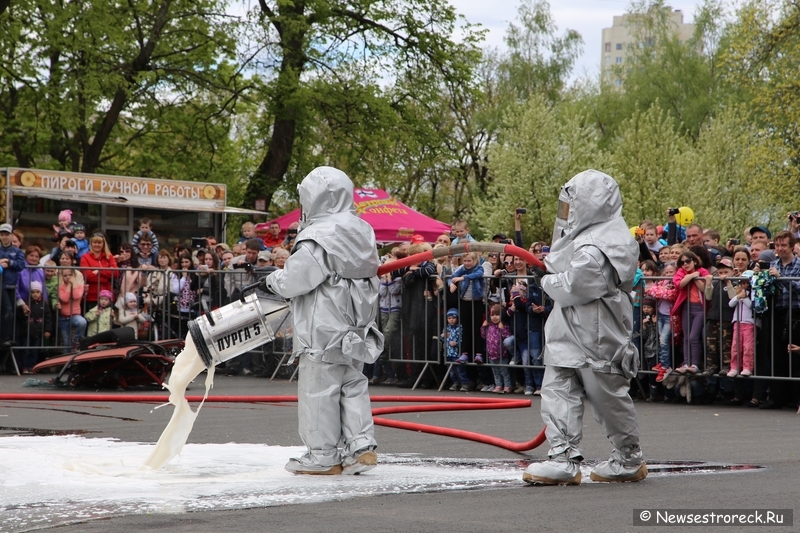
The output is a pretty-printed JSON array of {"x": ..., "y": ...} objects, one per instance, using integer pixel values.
[
  {"x": 54, "y": 298},
  {"x": 713, "y": 322},
  {"x": 710, "y": 319}
]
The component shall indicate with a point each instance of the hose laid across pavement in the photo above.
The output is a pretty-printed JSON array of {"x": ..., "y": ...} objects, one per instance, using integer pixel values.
[{"x": 439, "y": 403}]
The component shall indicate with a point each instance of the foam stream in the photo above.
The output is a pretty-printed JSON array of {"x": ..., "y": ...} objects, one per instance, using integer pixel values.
[{"x": 188, "y": 366}]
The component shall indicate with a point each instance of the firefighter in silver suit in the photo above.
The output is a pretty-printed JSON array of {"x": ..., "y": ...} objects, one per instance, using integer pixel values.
[
  {"x": 588, "y": 354},
  {"x": 332, "y": 283}
]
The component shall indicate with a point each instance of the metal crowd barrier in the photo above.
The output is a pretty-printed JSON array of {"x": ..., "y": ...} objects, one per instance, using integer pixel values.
[
  {"x": 164, "y": 314},
  {"x": 416, "y": 343},
  {"x": 421, "y": 344},
  {"x": 770, "y": 351}
]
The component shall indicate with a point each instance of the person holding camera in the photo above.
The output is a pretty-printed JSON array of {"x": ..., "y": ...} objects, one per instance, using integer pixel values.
[
  {"x": 243, "y": 267},
  {"x": 211, "y": 288},
  {"x": 794, "y": 224},
  {"x": 673, "y": 232},
  {"x": 785, "y": 319},
  {"x": 291, "y": 235}
]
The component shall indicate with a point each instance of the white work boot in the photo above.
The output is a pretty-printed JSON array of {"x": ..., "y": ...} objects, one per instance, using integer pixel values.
[
  {"x": 557, "y": 471},
  {"x": 361, "y": 461},
  {"x": 307, "y": 464},
  {"x": 611, "y": 471}
]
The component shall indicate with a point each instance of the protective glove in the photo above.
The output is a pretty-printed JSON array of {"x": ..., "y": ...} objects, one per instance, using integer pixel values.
[
  {"x": 263, "y": 287},
  {"x": 538, "y": 274}
]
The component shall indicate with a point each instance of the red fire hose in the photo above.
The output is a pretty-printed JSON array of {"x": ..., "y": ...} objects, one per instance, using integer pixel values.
[
  {"x": 508, "y": 249},
  {"x": 439, "y": 403}
]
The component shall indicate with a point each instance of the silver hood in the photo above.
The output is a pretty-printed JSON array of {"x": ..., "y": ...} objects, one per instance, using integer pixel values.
[
  {"x": 594, "y": 218},
  {"x": 328, "y": 218}
]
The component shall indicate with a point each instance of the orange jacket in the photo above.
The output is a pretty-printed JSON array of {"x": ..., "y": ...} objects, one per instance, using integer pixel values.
[{"x": 70, "y": 299}]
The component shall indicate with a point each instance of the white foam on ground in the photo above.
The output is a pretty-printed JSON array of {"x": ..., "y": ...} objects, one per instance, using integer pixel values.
[{"x": 45, "y": 481}]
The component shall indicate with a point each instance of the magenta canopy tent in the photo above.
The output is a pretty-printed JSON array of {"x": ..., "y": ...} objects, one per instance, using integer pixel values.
[{"x": 392, "y": 220}]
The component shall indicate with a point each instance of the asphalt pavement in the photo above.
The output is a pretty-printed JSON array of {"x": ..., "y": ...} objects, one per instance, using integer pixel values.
[{"x": 669, "y": 432}]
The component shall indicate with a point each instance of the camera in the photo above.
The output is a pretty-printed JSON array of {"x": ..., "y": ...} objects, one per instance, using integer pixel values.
[
  {"x": 199, "y": 242},
  {"x": 672, "y": 211},
  {"x": 795, "y": 216},
  {"x": 244, "y": 264},
  {"x": 735, "y": 242},
  {"x": 522, "y": 211},
  {"x": 291, "y": 232},
  {"x": 763, "y": 265}
]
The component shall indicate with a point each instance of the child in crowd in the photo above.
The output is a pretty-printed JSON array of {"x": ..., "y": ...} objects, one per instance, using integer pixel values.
[
  {"x": 675, "y": 252},
  {"x": 64, "y": 226},
  {"x": 145, "y": 225},
  {"x": 649, "y": 271},
  {"x": 663, "y": 256},
  {"x": 38, "y": 325},
  {"x": 391, "y": 304},
  {"x": 744, "y": 325},
  {"x": 649, "y": 331},
  {"x": 691, "y": 279},
  {"x": 130, "y": 315},
  {"x": 451, "y": 337},
  {"x": 249, "y": 232},
  {"x": 719, "y": 320},
  {"x": 469, "y": 282},
  {"x": 80, "y": 239},
  {"x": 664, "y": 293},
  {"x": 651, "y": 237},
  {"x": 495, "y": 332},
  {"x": 51, "y": 281},
  {"x": 71, "y": 324},
  {"x": 101, "y": 316},
  {"x": 460, "y": 230}
]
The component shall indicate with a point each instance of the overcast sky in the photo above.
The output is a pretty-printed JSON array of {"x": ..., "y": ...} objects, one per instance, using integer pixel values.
[{"x": 587, "y": 17}]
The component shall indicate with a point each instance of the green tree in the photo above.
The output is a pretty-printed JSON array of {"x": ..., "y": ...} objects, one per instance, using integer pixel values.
[
  {"x": 82, "y": 84},
  {"x": 538, "y": 150},
  {"x": 760, "y": 58},
  {"x": 312, "y": 41},
  {"x": 538, "y": 61},
  {"x": 646, "y": 159},
  {"x": 677, "y": 75},
  {"x": 735, "y": 180}
]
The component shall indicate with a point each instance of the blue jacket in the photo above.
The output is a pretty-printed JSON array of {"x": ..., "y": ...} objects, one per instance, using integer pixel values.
[
  {"x": 474, "y": 276},
  {"x": 16, "y": 263},
  {"x": 83, "y": 247}
]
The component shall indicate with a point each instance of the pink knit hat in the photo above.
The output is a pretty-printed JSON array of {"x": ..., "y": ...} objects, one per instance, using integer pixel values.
[
  {"x": 66, "y": 214},
  {"x": 105, "y": 293}
]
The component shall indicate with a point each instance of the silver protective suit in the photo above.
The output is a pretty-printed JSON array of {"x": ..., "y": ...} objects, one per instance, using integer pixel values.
[
  {"x": 331, "y": 280},
  {"x": 588, "y": 351}
]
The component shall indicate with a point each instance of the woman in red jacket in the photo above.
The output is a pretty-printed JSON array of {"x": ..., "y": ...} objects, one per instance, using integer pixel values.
[{"x": 94, "y": 265}]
